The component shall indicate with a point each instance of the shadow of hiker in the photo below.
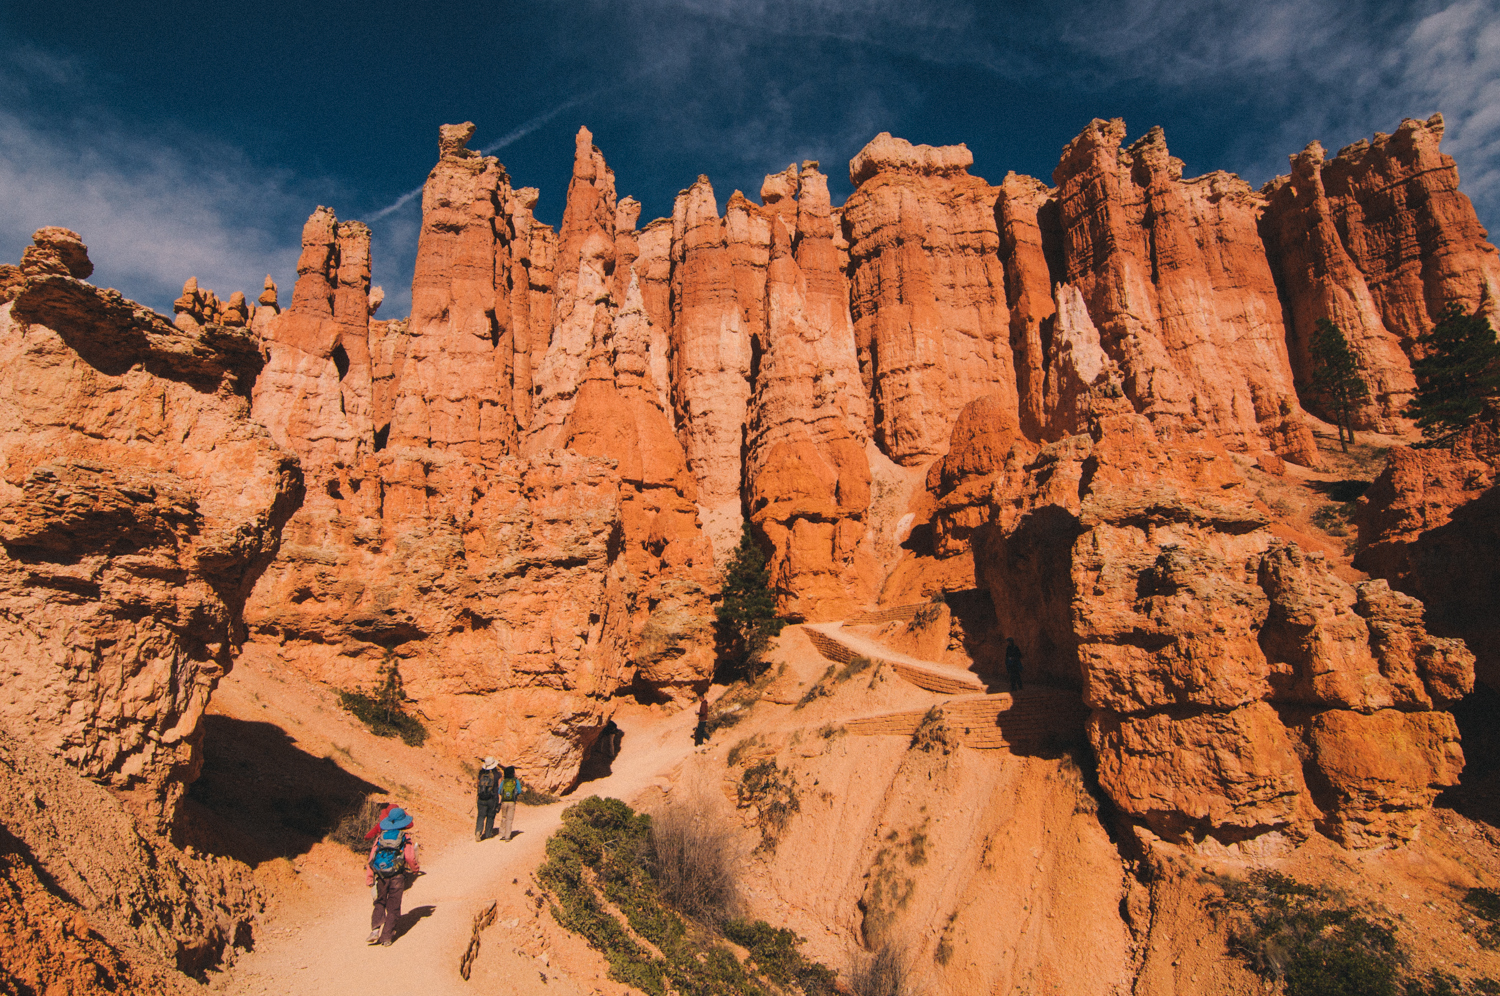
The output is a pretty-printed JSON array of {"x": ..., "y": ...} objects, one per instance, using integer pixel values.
[
  {"x": 406, "y": 921},
  {"x": 261, "y": 797}
]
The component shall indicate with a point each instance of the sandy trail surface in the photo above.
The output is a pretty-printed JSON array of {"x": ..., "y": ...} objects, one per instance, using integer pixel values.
[{"x": 315, "y": 944}]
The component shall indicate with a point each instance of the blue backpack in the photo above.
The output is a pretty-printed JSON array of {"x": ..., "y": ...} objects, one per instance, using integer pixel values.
[{"x": 390, "y": 854}]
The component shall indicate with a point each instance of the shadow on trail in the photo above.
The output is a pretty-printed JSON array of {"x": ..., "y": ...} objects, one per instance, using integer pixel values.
[
  {"x": 261, "y": 797},
  {"x": 406, "y": 921}
]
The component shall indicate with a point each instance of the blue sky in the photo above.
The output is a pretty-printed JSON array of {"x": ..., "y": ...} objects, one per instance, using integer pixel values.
[{"x": 194, "y": 139}]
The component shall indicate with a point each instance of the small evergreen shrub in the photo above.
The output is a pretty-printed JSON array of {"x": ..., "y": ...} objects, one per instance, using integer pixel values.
[
  {"x": 603, "y": 854},
  {"x": 382, "y": 709},
  {"x": 745, "y": 619}
]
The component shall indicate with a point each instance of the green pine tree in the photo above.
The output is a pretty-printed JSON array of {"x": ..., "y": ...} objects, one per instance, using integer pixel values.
[
  {"x": 1459, "y": 372},
  {"x": 746, "y": 616},
  {"x": 1336, "y": 378}
]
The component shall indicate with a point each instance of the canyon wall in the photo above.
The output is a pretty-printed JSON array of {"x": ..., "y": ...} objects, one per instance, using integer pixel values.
[
  {"x": 138, "y": 505},
  {"x": 1377, "y": 239},
  {"x": 1430, "y": 525},
  {"x": 788, "y": 364},
  {"x": 1240, "y": 688}
]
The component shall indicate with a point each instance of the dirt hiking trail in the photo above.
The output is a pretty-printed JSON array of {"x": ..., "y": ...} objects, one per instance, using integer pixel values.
[{"x": 312, "y": 941}]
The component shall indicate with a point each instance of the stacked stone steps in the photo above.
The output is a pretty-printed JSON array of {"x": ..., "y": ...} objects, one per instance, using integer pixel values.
[
  {"x": 894, "y": 613},
  {"x": 841, "y": 648},
  {"x": 1028, "y": 719}
]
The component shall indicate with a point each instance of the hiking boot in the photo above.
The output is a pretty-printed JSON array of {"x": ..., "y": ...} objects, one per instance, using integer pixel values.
[
  {"x": 386, "y": 944},
  {"x": 478, "y": 836},
  {"x": 374, "y": 937}
]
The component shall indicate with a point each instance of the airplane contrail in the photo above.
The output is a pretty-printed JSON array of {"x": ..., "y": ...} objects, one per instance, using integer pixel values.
[{"x": 513, "y": 136}]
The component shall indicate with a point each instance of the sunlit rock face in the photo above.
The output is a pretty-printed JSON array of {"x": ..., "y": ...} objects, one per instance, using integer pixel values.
[
  {"x": 138, "y": 504},
  {"x": 1225, "y": 668},
  {"x": 1378, "y": 239},
  {"x": 798, "y": 366}
]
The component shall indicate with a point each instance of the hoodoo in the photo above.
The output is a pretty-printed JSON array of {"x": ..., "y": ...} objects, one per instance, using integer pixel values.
[{"x": 1077, "y": 418}]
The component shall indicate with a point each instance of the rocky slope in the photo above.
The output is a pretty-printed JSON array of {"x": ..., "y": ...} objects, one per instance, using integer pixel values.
[
  {"x": 139, "y": 505},
  {"x": 1241, "y": 690}
]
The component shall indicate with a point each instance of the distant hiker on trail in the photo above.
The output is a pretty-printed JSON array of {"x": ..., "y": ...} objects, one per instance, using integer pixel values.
[
  {"x": 487, "y": 799},
  {"x": 510, "y": 790},
  {"x": 393, "y": 857},
  {"x": 700, "y": 734},
  {"x": 1013, "y": 664}
]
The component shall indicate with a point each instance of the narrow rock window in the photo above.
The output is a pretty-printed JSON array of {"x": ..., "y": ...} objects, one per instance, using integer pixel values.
[{"x": 341, "y": 361}]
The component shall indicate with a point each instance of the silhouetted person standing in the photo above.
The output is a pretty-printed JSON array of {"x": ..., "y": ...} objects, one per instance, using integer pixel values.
[
  {"x": 700, "y": 733},
  {"x": 1013, "y": 664}
]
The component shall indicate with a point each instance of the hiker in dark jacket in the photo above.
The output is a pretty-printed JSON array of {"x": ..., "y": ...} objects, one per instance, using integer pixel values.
[
  {"x": 510, "y": 790},
  {"x": 700, "y": 734},
  {"x": 1013, "y": 664},
  {"x": 487, "y": 799},
  {"x": 393, "y": 857}
]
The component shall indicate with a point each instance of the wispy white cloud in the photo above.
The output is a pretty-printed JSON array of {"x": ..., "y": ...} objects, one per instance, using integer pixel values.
[
  {"x": 509, "y": 138},
  {"x": 154, "y": 209}
]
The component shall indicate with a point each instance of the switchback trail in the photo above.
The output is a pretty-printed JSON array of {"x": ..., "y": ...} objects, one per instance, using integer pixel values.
[{"x": 319, "y": 948}]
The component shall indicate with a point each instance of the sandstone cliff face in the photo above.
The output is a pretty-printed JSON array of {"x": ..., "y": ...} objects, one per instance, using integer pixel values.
[
  {"x": 769, "y": 362},
  {"x": 718, "y": 294},
  {"x": 808, "y": 476},
  {"x": 1224, "y": 668},
  {"x": 1430, "y": 525},
  {"x": 1378, "y": 239},
  {"x": 139, "y": 505},
  {"x": 1176, "y": 282},
  {"x": 454, "y": 390},
  {"x": 556, "y": 579},
  {"x": 927, "y": 292}
]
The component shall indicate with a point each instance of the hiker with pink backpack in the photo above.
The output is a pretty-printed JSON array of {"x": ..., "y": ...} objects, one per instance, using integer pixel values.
[{"x": 393, "y": 857}]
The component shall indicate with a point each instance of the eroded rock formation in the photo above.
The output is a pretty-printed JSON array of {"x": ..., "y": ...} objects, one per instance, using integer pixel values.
[
  {"x": 558, "y": 578},
  {"x": 769, "y": 362},
  {"x": 94, "y": 905},
  {"x": 1225, "y": 669},
  {"x": 1176, "y": 282},
  {"x": 1378, "y": 239},
  {"x": 927, "y": 292},
  {"x": 139, "y": 504}
]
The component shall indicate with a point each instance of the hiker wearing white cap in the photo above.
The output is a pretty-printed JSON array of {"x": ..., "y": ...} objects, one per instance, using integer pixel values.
[{"x": 487, "y": 799}]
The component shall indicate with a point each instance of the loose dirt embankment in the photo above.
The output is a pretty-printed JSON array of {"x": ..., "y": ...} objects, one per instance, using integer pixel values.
[{"x": 984, "y": 857}]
